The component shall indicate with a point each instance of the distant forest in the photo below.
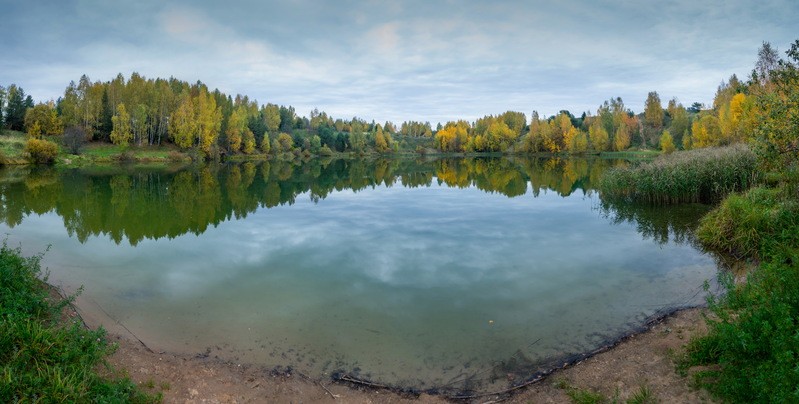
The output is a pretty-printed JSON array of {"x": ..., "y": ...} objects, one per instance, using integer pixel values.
[{"x": 141, "y": 111}]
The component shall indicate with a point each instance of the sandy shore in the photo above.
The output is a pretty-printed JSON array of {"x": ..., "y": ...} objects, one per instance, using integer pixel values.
[{"x": 642, "y": 360}]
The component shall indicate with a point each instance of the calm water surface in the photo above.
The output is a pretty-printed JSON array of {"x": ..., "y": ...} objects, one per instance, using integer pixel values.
[{"x": 438, "y": 273}]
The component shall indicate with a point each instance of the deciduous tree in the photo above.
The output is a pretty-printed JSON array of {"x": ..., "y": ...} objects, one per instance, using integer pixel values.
[
  {"x": 777, "y": 131},
  {"x": 653, "y": 118},
  {"x": 42, "y": 119},
  {"x": 600, "y": 140},
  {"x": 666, "y": 142},
  {"x": 121, "y": 133},
  {"x": 182, "y": 125}
]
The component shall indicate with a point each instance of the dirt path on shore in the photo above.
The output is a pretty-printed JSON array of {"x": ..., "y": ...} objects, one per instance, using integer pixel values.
[{"x": 641, "y": 361}]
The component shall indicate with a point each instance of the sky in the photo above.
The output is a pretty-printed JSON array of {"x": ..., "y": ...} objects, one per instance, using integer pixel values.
[{"x": 400, "y": 60}]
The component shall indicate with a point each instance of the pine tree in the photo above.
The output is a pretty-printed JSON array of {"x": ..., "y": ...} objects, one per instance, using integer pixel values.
[{"x": 15, "y": 108}]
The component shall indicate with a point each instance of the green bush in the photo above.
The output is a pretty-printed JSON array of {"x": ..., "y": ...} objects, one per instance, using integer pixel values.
[
  {"x": 702, "y": 175},
  {"x": 41, "y": 151},
  {"x": 325, "y": 151},
  {"x": 754, "y": 224},
  {"x": 40, "y": 360},
  {"x": 752, "y": 348}
]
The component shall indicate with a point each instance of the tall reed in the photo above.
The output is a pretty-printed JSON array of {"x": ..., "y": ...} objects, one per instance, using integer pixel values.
[{"x": 702, "y": 175}]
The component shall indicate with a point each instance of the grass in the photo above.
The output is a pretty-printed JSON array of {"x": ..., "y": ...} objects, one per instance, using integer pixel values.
[
  {"x": 577, "y": 395},
  {"x": 12, "y": 144},
  {"x": 752, "y": 349},
  {"x": 42, "y": 359},
  {"x": 754, "y": 224},
  {"x": 704, "y": 175},
  {"x": 110, "y": 152}
]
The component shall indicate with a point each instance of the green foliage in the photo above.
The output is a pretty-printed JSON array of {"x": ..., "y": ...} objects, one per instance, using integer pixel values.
[
  {"x": 680, "y": 121},
  {"x": 285, "y": 143},
  {"x": 121, "y": 133},
  {"x": 266, "y": 145},
  {"x": 600, "y": 140},
  {"x": 237, "y": 125},
  {"x": 182, "y": 125},
  {"x": 753, "y": 224},
  {"x": 380, "y": 141},
  {"x": 41, "y": 151},
  {"x": 316, "y": 143},
  {"x": 777, "y": 129},
  {"x": 43, "y": 120},
  {"x": 248, "y": 142},
  {"x": 644, "y": 395},
  {"x": 666, "y": 142},
  {"x": 653, "y": 118},
  {"x": 42, "y": 361},
  {"x": 12, "y": 144},
  {"x": 754, "y": 342},
  {"x": 752, "y": 348},
  {"x": 579, "y": 143},
  {"x": 705, "y": 175},
  {"x": 585, "y": 396},
  {"x": 17, "y": 104},
  {"x": 271, "y": 116},
  {"x": 358, "y": 142}
]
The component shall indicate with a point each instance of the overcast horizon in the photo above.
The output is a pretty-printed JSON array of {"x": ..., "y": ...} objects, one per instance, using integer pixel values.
[{"x": 398, "y": 61}]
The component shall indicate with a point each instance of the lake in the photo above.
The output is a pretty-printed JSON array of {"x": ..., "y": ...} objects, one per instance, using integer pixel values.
[{"x": 466, "y": 273}]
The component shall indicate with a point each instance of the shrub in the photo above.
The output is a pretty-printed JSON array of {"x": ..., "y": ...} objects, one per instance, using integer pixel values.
[
  {"x": 753, "y": 347},
  {"x": 41, "y": 151},
  {"x": 702, "y": 175},
  {"x": 176, "y": 156},
  {"x": 125, "y": 157},
  {"x": 73, "y": 139}
]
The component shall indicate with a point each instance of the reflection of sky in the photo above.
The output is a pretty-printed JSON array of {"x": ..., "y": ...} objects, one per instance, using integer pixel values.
[{"x": 397, "y": 262}]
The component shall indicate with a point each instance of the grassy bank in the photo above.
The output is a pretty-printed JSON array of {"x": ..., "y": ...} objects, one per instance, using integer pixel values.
[
  {"x": 12, "y": 144},
  {"x": 42, "y": 358},
  {"x": 752, "y": 350},
  {"x": 12, "y": 152},
  {"x": 704, "y": 175}
]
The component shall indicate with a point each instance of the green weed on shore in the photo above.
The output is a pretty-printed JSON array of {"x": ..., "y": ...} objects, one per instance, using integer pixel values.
[
  {"x": 752, "y": 349},
  {"x": 43, "y": 360}
]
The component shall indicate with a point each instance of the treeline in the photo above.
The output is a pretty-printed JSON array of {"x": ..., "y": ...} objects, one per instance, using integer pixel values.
[
  {"x": 143, "y": 111},
  {"x": 732, "y": 118},
  {"x": 161, "y": 203}
]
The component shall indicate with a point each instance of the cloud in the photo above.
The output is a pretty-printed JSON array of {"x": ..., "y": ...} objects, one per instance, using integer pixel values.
[{"x": 428, "y": 61}]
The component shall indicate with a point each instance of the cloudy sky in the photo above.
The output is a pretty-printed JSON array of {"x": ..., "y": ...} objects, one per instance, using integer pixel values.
[{"x": 400, "y": 60}]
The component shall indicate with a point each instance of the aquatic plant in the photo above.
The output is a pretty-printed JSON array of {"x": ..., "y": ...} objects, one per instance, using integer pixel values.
[{"x": 702, "y": 175}]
